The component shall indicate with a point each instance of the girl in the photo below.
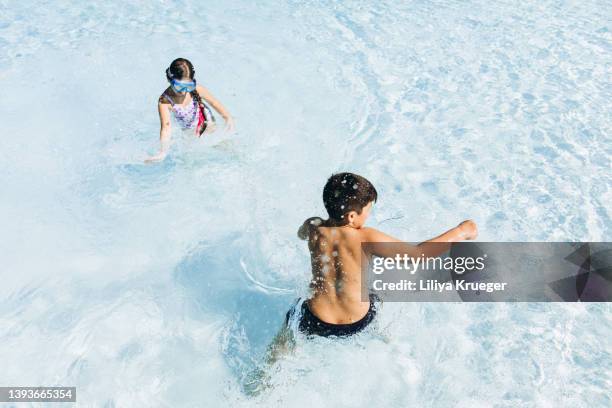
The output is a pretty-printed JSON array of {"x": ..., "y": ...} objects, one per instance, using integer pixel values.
[{"x": 186, "y": 100}]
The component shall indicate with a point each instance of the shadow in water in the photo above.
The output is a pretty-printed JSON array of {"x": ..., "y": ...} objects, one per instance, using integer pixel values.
[{"x": 216, "y": 281}]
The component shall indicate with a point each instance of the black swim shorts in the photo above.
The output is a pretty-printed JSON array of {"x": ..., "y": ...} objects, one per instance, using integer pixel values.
[{"x": 312, "y": 325}]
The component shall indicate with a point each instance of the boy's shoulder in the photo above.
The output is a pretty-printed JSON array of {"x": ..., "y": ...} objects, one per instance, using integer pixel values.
[
  {"x": 309, "y": 226},
  {"x": 371, "y": 235},
  {"x": 314, "y": 227},
  {"x": 367, "y": 230}
]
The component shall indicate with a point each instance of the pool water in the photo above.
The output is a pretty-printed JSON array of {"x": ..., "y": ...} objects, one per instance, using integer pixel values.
[{"x": 162, "y": 285}]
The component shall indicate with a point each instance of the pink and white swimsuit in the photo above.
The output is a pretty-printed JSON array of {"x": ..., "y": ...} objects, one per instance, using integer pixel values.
[{"x": 186, "y": 117}]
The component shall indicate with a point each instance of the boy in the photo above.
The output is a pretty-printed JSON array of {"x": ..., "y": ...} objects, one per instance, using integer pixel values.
[{"x": 336, "y": 307}]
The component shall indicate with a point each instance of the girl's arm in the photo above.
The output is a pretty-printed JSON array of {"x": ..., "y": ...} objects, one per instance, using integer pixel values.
[
  {"x": 218, "y": 106},
  {"x": 164, "y": 133}
]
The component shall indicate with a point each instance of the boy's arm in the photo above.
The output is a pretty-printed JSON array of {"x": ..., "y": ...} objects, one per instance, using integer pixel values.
[{"x": 391, "y": 246}]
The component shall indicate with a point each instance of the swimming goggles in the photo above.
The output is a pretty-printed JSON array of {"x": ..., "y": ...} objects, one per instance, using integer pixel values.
[{"x": 180, "y": 86}]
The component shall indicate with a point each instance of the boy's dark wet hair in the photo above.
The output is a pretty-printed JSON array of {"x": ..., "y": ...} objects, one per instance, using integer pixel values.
[{"x": 345, "y": 192}]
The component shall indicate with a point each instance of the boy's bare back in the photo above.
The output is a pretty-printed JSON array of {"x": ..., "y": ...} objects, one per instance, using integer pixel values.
[{"x": 336, "y": 273}]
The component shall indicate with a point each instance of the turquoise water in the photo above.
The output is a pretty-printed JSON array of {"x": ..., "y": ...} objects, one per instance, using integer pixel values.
[{"x": 162, "y": 285}]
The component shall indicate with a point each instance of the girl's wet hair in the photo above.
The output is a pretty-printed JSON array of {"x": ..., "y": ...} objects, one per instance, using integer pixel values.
[
  {"x": 345, "y": 192},
  {"x": 179, "y": 69}
]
